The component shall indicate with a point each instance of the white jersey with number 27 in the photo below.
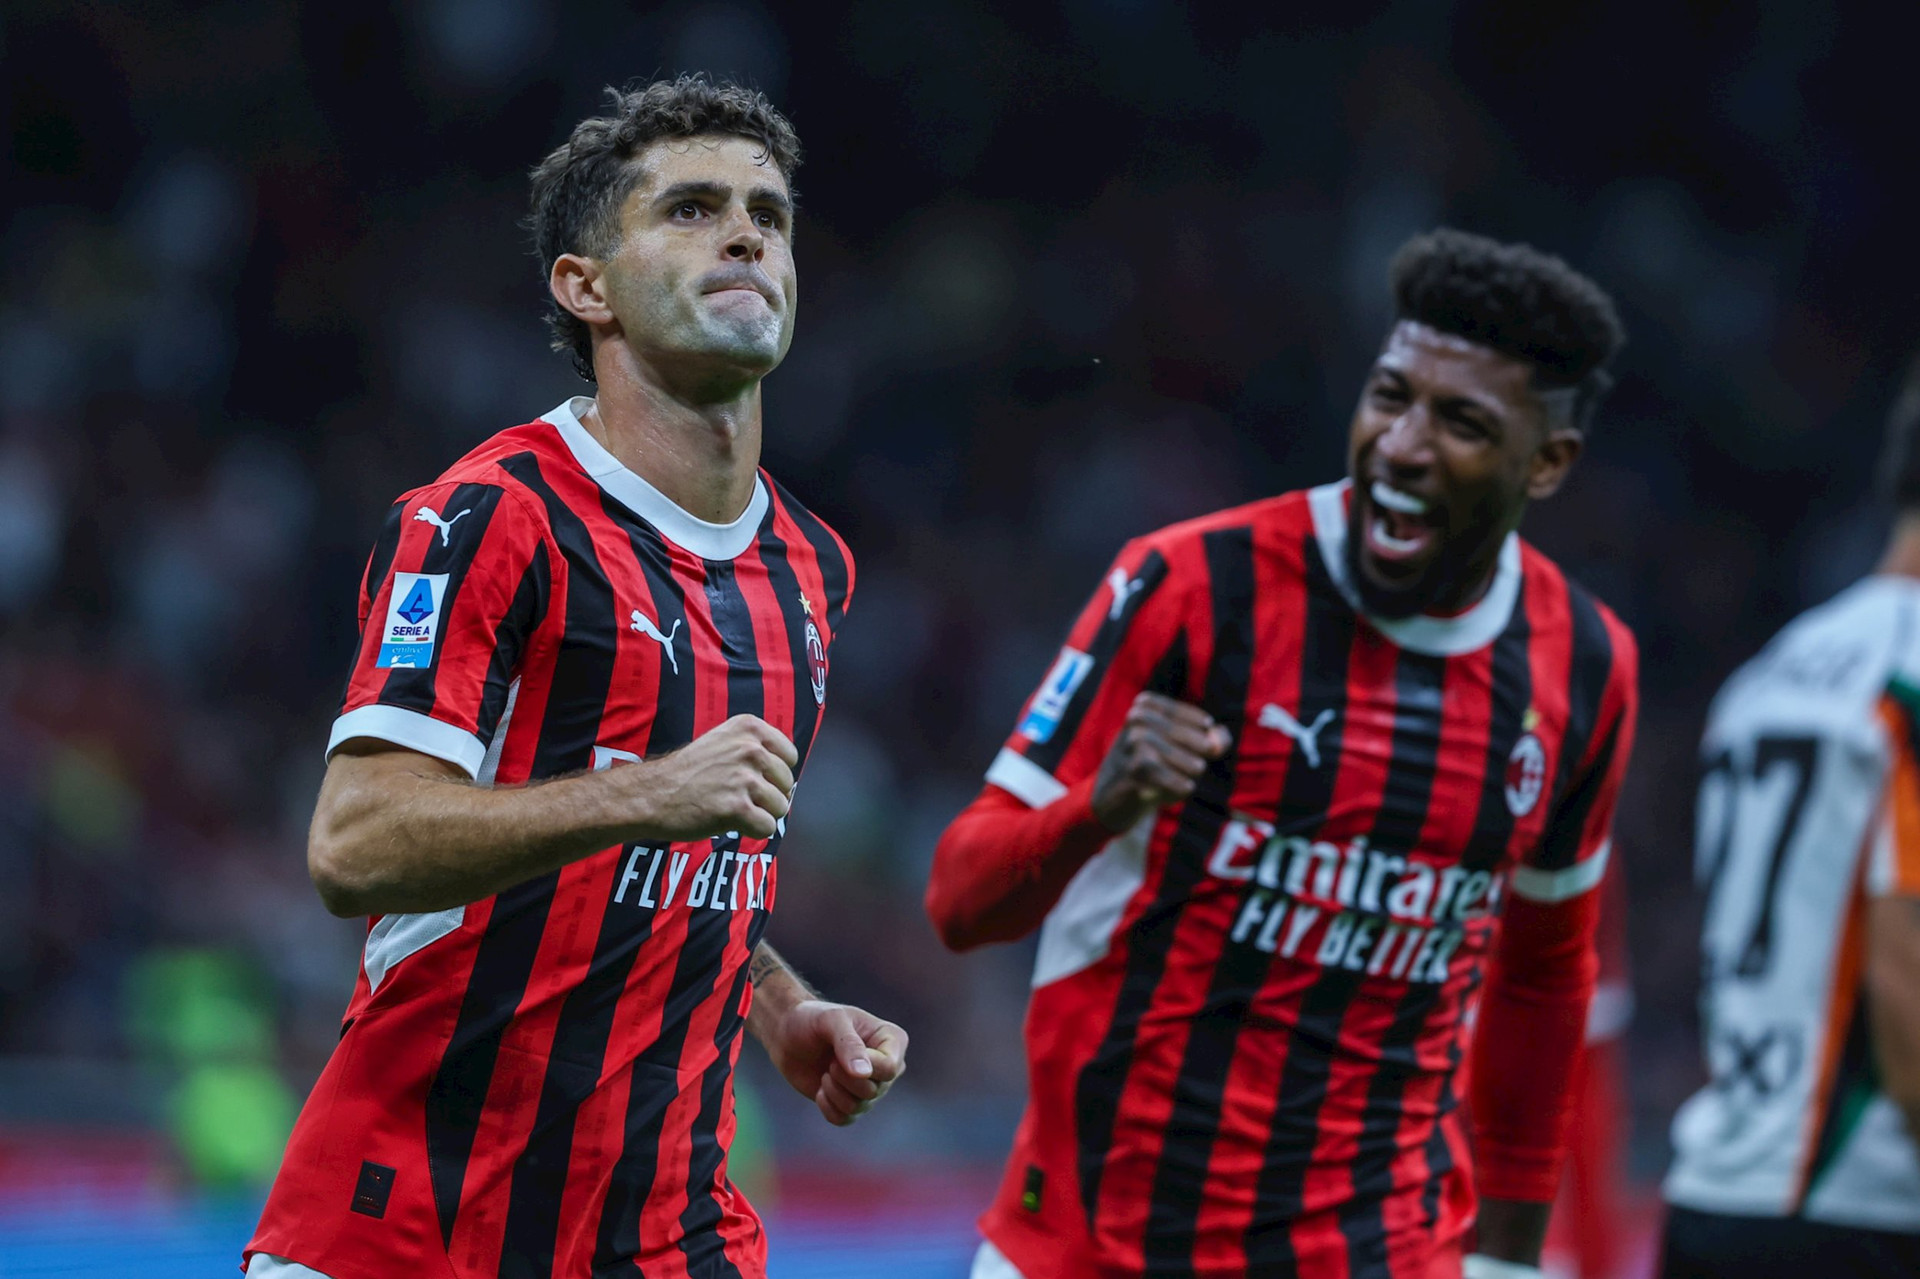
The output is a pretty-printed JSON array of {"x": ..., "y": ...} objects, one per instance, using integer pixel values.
[{"x": 1793, "y": 836}]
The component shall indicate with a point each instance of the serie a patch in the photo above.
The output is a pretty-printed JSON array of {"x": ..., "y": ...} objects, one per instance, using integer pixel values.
[
  {"x": 1056, "y": 692},
  {"x": 413, "y": 619}
]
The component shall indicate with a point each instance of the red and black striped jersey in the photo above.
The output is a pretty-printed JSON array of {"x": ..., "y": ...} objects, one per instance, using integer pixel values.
[
  {"x": 540, "y": 1083},
  {"x": 1249, "y": 1011}
]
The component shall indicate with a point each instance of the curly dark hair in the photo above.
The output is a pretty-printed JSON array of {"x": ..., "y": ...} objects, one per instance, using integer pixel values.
[
  {"x": 579, "y": 188},
  {"x": 1900, "y": 460},
  {"x": 1517, "y": 300}
]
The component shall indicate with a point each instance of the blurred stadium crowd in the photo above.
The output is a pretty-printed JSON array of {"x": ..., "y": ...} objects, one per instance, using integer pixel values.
[{"x": 1070, "y": 272}]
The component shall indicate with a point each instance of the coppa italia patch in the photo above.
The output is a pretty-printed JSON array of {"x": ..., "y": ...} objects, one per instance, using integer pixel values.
[{"x": 413, "y": 618}]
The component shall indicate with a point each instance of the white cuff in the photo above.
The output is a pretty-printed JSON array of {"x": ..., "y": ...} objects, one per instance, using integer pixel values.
[
  {"x": 1550, "y": 887},
  {"x": 1025, "y": 780},
  {"x": 412, "y": 730},
  {"x": 1480, "y": 1267}
]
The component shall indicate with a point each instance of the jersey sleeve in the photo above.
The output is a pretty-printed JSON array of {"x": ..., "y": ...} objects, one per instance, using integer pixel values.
[
  {"x": 456, "y": 586},
  {"x": 1540, "y": 980},
  {"x": 1893, "y": 858},
  {"x": 1571, "y": 857},
  {"x": 1120, "y": 645}
]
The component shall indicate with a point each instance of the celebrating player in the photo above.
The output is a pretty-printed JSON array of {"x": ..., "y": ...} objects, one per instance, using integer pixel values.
[
  {"x": 1306, "y": 774},
  {"x": 1800, "y": 1157},
  {"x": 593, "y": 656}
]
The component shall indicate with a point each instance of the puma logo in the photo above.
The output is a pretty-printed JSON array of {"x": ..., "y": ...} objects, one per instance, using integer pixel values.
[
  {"x": 1123, "y": 590},
  {"x": 427, "y": 515},
  {"x": 1307, "y": 736},
  {"x": 644, "y": 624}
]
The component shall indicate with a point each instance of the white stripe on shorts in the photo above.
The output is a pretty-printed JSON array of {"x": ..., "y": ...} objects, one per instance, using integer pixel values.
[
  {"x": 991, "y": 1263},
  {"x": 264, "y": 1266}
]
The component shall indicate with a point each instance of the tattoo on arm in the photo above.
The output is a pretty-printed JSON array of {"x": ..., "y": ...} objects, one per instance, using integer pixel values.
[{"x": 766, "y": 963}]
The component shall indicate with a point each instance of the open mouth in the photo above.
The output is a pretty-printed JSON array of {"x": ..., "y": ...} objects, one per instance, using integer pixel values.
[{"x": 1401, "y": 529}]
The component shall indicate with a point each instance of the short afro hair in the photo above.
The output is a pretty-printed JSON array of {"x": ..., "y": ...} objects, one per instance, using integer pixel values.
[
  {"x": 579, "y": 188},
  {"x": 1900, "y": 462},
  {"x": 1517, "y": 300}
]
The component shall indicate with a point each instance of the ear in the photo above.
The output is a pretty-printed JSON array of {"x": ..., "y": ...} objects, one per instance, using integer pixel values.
[
  {"x": 579, "y": 286},
  {"x": 1548, "y": 467}
]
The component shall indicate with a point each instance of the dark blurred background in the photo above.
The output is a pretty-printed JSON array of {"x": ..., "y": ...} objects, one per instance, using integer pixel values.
[{"x": 1070, "y": 271}]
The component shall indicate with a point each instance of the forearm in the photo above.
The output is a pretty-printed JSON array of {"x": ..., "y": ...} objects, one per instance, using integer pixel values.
[
  {"x": 776, "y": 990},
  {"x": 1896, "y": 1043},
  {"x": 1001, "y": 866},
  {"x": 1893, "y": 1000}
]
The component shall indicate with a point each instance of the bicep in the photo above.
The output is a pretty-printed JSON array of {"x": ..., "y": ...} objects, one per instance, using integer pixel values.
[
  {"x": 364, "y": 772},
  {"x": 448, "y": 610}
]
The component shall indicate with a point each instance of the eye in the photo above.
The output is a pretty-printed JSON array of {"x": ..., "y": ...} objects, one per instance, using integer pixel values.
[
  {"x": 687, "y": 210},
  {"x": 1387, "y": 394},
  {"x": 768, "y": 219},
  {"x": 1468, "y": 426}
]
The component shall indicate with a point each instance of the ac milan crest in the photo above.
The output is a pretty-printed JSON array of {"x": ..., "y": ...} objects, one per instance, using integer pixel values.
[
  {"x": 1526, "y": 774},
  {"x": 816, "y": 654}
]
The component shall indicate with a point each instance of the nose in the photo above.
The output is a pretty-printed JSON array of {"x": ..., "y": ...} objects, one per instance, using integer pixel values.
[
  {"x": 744, "y": 242},
  {"x": 1406, "y": 446}
]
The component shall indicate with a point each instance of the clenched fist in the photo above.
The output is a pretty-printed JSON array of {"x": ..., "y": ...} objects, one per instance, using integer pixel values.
[
  {"x": 843, "y": 1057},
  {"x": 1163, "y": 748},
  {"x": 736, "y": 777}
]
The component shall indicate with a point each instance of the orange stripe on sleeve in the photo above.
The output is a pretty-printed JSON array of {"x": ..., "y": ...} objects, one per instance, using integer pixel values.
[{"x": 1841, "y": 997}]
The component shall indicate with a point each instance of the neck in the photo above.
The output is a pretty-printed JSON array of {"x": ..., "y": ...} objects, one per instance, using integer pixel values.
[
  {"x": 703, "y": 454},
  {"x": 1902, "y": 557},
  {"x": 1474, "y": 582}
]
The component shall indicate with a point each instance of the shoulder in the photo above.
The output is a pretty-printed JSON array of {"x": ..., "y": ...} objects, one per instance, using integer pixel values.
[
  {"x": 1843, "y": 653},
  {"x": 1271, "y": 522},
  {"x": 1603, "y": 650},
  {"x": 507, "y": 472},
  {"x": 1592, "y": 621},
  {"x": 790, "y": 520},
  {"x": 1268, "y": 515}
]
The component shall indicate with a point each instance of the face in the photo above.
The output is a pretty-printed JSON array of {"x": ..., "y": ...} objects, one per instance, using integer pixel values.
[
  {"x": 1448, "y": 444},
  {"x": 701, "y": 282}
]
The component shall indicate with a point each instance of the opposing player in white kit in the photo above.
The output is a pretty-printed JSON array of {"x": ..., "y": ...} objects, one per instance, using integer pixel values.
[{"x": 1799, "y": 1158}]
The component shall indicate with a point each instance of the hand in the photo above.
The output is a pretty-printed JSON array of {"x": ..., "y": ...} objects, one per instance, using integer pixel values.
[
  {"x": 1163, "y": 748},
  {"x": 1509, "y": 1236},
  {"x": 736, "y": 777},
  {"x": 843, "y": 1057}
]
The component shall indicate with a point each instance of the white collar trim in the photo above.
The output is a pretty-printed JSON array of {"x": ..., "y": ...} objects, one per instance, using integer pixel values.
[
  {"x": 676, "y": 524},
  {"x": 1433, "y": 636}
]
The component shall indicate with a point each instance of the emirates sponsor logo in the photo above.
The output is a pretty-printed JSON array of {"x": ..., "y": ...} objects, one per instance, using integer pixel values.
[{"x": 1353, "y": 907}]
